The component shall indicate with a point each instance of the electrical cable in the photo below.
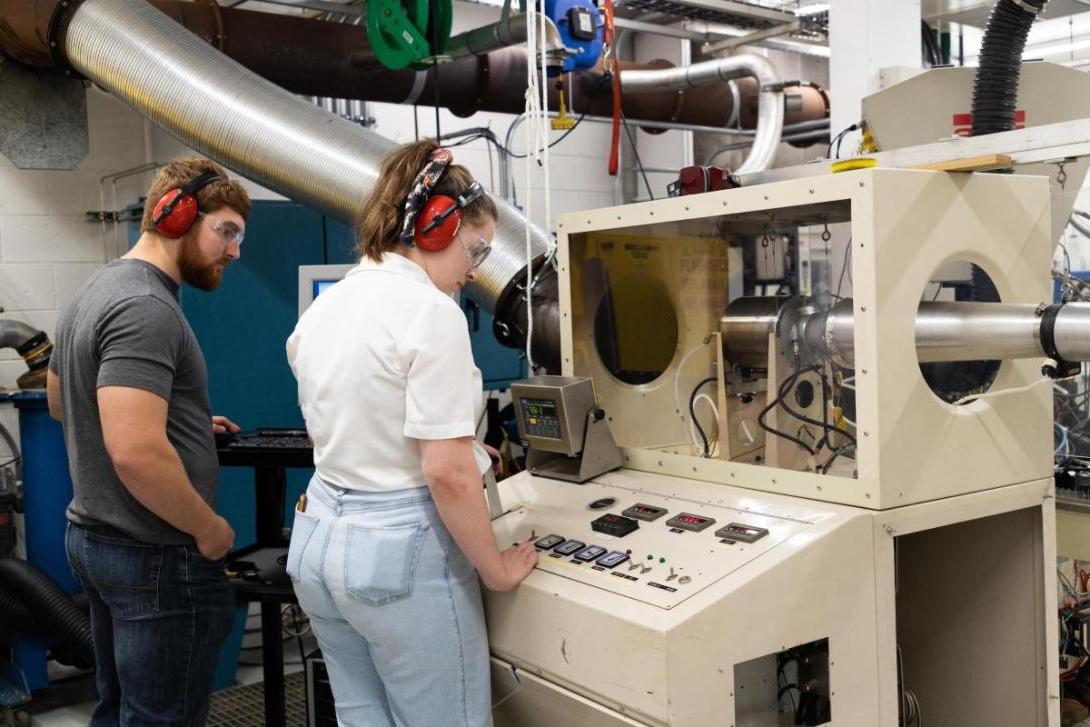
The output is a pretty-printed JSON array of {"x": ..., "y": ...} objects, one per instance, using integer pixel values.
[
  {"x": 844, "y": 268},
  {"x": 784, "y": 388},
  {"x": 836, "y": 139},
  {"x": 1002, "y": 392},
  {"x": 677, "y": 391},
  {"x": 692, "y": 412},
  {"x": 636, "y": 154},
  {"x": 825, "y": 425}
]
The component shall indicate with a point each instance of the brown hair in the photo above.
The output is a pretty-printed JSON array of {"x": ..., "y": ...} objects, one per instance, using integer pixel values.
[
  {"x": 217, "y": 195},
  {"x": 381, "y": 219}
]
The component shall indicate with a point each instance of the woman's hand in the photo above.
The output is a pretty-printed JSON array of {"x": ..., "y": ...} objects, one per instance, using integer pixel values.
[{"x": 514, "y": 565}]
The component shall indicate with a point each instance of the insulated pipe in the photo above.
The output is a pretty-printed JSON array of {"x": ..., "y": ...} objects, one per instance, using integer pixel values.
[
  {"x": 329, "y": 59},
  {"x": 215, "y": 105},
  {"x": 770, "y": 107},
  {"x": 944, "y": 331}
]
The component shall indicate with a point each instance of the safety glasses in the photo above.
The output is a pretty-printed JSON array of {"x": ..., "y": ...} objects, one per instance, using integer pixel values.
[
  {"x": 229, "y": 231},
  {"x": 476, "y": 252}
]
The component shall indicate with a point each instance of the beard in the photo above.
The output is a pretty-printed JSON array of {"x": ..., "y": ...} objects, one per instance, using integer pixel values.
[{"x": 195, "y": 269}]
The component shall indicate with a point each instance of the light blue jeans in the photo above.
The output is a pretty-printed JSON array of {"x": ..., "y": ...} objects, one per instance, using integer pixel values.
[{"x": 396, "y": 607}]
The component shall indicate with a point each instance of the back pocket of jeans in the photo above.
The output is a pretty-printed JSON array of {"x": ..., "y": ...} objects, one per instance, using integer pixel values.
[{"x": 380, "y": 563}]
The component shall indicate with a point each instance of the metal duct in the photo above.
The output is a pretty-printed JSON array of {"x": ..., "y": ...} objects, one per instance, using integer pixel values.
[
  {"x": 215, "y": 105},
  {"x": 321, "y": 58},
  {"x": 770, "y": 106},
  {"x": 945, "y": 331}
]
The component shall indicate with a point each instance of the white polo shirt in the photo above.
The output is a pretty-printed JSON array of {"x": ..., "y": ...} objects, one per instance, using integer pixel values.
[{"x": 383, "y": 360}]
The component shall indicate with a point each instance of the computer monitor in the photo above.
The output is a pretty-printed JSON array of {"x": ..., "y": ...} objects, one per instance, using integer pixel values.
[{"x": 316, "y": 279}]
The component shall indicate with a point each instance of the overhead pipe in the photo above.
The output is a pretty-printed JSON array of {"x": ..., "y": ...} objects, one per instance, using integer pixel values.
[
  {"x": 330, "y": 59},
  {"x": 511, "y": 30},
  {"x": 770, "y": 107},
  {"x": 216, "y": 106}
]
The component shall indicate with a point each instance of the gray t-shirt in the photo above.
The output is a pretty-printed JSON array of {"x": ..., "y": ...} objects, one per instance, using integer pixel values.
[{"x": 126, "y": 328}]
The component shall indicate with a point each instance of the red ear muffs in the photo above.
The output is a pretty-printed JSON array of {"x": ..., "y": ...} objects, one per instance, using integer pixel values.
[
  {"x": 438, "y": 223},
  {"x": 181, "y": 212},
  {"x": 176, "y": 211}
]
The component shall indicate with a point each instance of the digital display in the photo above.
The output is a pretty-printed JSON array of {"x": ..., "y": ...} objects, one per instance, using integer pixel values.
[
  {"x": 540, "y": 418},
  {"x": 644, "y": 512},
  {"x": 690, "y": 522},
  {"x": 741, "y": 532}
]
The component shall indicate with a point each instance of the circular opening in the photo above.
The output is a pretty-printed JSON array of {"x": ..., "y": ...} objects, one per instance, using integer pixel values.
[
  {"x": 635, "y": 328},
  {"x": 957, "y": 281}
]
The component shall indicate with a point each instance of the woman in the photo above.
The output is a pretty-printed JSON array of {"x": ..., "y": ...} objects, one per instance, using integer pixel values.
[{"x": 393, "y": 531}]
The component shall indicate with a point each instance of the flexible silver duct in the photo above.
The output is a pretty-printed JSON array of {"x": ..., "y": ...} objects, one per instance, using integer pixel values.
[
  {"x": 218, "y": 107},
  {"x": 769, "y": 108}
]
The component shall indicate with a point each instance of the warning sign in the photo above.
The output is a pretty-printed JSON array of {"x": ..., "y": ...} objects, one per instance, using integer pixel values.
[{"x": 963, "y": 123}]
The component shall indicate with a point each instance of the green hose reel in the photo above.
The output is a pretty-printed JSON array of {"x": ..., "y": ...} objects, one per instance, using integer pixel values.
[{"x": 402, "y": 32}]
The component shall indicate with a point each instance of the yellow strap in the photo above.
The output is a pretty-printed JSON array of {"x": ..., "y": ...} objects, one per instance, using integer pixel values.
[{"x": 848, "y": 165}]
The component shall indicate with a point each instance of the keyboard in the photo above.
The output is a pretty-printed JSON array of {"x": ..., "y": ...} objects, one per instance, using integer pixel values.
[{"x": 282, "y": 439}]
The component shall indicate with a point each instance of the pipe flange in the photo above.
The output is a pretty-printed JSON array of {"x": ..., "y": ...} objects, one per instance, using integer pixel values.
[{"x": 58, "y": 24}]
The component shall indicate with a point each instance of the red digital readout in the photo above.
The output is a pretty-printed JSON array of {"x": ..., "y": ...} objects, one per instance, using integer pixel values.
[
  {"x": 692, "y": 519},
  {"x": 743, "y": 531}
]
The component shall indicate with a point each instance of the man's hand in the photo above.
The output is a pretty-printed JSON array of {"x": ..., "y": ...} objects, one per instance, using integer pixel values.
[
  {"x": 223, "y": 424},
  {"x": 214, "y": 542},
  {"x": 515, "y": 564}
]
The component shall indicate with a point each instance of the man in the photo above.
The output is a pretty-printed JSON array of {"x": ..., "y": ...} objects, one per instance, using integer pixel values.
[{"x": 128, "y": 380}]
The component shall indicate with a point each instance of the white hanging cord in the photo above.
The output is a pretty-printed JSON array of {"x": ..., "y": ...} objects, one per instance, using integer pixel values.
[
  {"x": 533, "y": 133},
  {"x": 682, "y": 413},
  {"x": 537, "y": 152},
  {"x": 1002, "y": 392}
]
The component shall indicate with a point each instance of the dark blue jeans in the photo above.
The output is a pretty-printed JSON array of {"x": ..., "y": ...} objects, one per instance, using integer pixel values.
[{"x": 159, "y": 615}]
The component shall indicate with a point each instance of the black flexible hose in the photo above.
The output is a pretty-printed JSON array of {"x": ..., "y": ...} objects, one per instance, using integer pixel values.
[
  {"x": 17, "y": 620},
  {"x": 995, "y": 89},
  {"x": 53, "y": 609}
]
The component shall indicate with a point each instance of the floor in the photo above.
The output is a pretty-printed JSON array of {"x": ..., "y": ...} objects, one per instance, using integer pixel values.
[
  {"x": 239, "y": 706},
  {"x": 236, "y": 707}
]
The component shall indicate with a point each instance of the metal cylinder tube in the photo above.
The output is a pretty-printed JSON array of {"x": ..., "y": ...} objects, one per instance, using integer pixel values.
[
  {"x": 746, "y": 328},
  {"x": 770, "y": 104},
  {"x": 944, "y": 331},
  {"x": 977, "y": 331}
]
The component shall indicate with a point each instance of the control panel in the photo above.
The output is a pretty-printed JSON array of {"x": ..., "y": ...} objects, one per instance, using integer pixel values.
[
  {"x": 541, "y": 418},
  {"x": 617, "y": 534}
]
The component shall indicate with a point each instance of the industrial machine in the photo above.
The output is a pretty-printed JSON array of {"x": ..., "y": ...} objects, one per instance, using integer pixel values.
[{"x": 831, "y": 531}]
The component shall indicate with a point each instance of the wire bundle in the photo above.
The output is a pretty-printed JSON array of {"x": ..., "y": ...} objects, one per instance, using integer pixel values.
[{"x": 827, "y": 428}]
